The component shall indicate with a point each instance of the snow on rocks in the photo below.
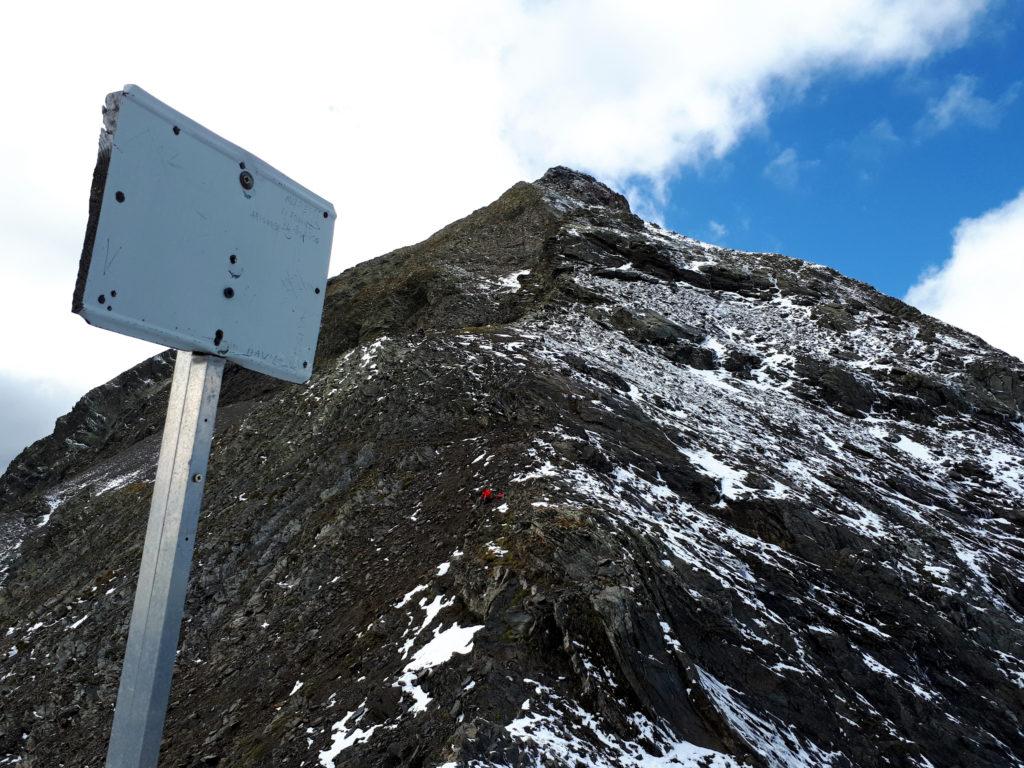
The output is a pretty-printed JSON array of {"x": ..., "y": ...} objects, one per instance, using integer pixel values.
[
  {"x": 439, "y": 649},
  {"x": 344, "y": 735},
  {"x": 512, "y": 281},
  {"x": 562, "y": 730}
]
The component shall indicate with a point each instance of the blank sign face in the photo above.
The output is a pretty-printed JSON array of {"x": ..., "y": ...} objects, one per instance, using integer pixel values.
[{"x": 194, "y": 243}]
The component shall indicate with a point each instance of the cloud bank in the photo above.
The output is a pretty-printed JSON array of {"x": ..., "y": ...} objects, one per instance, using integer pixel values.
[{"x": 979, "y": 287}]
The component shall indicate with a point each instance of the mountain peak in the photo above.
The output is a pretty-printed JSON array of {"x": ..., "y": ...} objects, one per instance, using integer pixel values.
[
  {"x": 582, "y": 187},
  {"x": 742, "y": 510}
]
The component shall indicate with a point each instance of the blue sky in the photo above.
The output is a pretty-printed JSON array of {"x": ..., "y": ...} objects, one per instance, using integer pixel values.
[{"x": 867, "y": 182}]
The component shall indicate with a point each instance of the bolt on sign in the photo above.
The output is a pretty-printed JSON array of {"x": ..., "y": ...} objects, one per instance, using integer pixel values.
[{"x": 197, "y": 244}]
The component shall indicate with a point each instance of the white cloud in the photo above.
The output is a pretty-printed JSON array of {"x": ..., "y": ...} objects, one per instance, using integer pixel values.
[
  {"x": 882, "y": 132},
  {"x": 871, "y": 145},
  {"x": 717, "y": 229},
  {"x": 404, "y": 115},
  {"x": 785, "y": 168},
  {"x": 874, "y": 140},
  {"x": 38, "y": 403},
  {"x": 979, "y": 287},
  {"x": 961, "y": 104},
  {"x": 640, "y": 89}
]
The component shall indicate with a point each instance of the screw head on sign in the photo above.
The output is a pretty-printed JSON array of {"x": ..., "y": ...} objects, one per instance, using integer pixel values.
[
  {"x": 246, "y": 180},
  {"x": 197, "y": 478}
]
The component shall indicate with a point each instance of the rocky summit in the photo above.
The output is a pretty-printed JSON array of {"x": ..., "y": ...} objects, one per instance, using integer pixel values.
[{"x": 566, "y": 489}]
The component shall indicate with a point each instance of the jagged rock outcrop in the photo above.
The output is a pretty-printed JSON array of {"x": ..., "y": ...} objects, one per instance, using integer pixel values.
[{"x": 756, "y": 513}]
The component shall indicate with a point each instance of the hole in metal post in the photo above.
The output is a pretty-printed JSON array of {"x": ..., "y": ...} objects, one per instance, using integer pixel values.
[
  {"x": 316, "y": 290},
  {"x": 305, "y": 363},
  {"x": 233, "y": 258},
  {"x": 119, "y": 196},
  {"x": 176, "y": 130},
  {"x": 218, "y": 337},
  {"x": 101, "y": 299},
  {"x": 113, "y": 294},
  {"x": 325, "y": 214},
  {"x": 229, "y": 292}
]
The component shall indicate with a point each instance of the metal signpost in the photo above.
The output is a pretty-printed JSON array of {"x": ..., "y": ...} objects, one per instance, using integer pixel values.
[{"x": 194, "y": 243}]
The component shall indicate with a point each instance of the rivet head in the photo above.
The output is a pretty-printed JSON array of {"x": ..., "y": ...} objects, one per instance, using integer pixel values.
[
  {"x": 246, "y": 180},
  {"x": 197, "y": 478}
]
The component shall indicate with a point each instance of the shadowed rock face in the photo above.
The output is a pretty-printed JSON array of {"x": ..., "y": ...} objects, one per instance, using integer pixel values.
[{"x": 756, "y": 514}]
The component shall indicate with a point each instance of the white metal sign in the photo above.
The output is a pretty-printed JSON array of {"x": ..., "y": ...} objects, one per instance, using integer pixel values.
[{"x": 195, "y": 243}]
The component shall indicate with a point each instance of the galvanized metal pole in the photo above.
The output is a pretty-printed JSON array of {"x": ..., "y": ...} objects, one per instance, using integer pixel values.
[{"x": 166, "y": 559}]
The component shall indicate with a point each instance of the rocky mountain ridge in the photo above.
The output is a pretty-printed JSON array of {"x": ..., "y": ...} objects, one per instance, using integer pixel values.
[{"x": 755, "y": 513}]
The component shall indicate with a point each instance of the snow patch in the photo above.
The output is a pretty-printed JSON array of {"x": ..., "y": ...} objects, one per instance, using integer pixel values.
[
  {"x": 511, "y": 281},
  {"x": 440, "y": 648},
  {"x": 343, "y": 737}
]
